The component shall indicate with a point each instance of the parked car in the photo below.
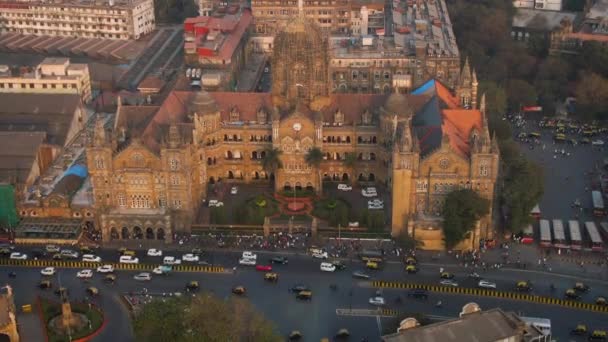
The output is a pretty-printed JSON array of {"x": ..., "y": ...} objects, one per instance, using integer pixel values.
[
  {"x": 190, "y": 257},
  {"x": 486, "y": 284},
  {"x": 105, "y": 269},
  {"x": 155, "y": 252},
  {"x": 215, "y": 203},
  {"x": 247, "y": 262},
  {"x": 84, "y": 274},
  {"x": 48, "y": 271},
  {"x": 90, "y": 258},
  {"x": 234, "y": 190},
  {"x": 18, "y": 256},
  {"x": 369, "y": 192},
  {"x": 344, "y": 187},
  {"x": 143, "y": 276}
]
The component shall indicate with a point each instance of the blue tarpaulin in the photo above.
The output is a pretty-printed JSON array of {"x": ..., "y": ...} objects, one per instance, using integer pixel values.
[
  {"x": 77, "y": 170},
  {"x": 424, "y": 88}
]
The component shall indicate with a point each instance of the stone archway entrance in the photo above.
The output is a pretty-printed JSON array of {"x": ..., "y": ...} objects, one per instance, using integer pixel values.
[
  {"x": 137, "y": 233},
  {"x": 114, "y": 234},
  {"x": 160, "y": 234},
  {"x": 149, "y": 233},
  {"x": 124, "y": 234}
]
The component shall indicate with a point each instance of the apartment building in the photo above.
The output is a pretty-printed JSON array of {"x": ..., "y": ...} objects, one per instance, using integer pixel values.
[
  {"x": 367, "y": 18},
  {"x": 113, "y": 19},
  {"x": 51, "y": 76}
]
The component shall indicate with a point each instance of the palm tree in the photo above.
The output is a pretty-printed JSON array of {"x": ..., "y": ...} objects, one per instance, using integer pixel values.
[
  {"x": 272, "y": 160},
  {"x": 350, "y": 160},
  {"x": 314, "y": 157}
]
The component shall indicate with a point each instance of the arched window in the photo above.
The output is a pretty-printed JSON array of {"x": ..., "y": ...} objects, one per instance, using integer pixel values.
[{"x": 99, "y": 163}]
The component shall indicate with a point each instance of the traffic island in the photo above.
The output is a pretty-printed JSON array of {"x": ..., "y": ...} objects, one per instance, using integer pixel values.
[{"x": 65, "y": 321}]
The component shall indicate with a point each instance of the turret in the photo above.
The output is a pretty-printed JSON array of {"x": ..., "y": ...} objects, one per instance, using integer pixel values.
[{"x": 474, "y": 85}]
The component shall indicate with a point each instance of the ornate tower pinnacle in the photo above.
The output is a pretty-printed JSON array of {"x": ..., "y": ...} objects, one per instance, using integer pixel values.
[
  {"x": 474, "y": 85},
  {"x": 99, "y": 134}
]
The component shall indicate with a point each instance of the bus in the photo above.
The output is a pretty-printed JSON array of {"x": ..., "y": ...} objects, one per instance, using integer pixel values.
[
  {"x": 527, "y": 235},
  {"x": 598, "y": 203},
  {"x": 542, "y": 324},
  {"x": 559, "y": 235},
  {"x": 576, "y": 242},
  {"x": 596, "y": 240},
  {"x": 371, "y": 255},
  {"x": 545, "y": 233}
]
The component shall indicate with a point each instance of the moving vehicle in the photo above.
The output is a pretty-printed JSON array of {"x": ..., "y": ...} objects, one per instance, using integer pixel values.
[
  {"x": 263, "y": 268},
  {"x": 369, "y": 192},
  {"x": 448, "y": 282},
  {"x": 339, "y": 265},
  {"x": 377, "y": 301},
  {"x": 109, "y": 278},
  {"x": 559, "y": 235},
  {"x": 304, "y": 295},
  {"x": 273, "y": 277},
  {"x": 371, "y": 255},
  {"x": 45, "y": 284},
  {"x": 192, "y": 286},
  {"x": 92, "y": 291},
  {"x": 598, "y": 203},
  {"x": 90, "y": 258},
  {"x": 128, "y": 259},
  {"x": 410, "y": 260},
  {"x": 68, "y": 253},
  {"x": 318, "y": 253},
  {"x": 247, "y": 262},
  {"x": 61, "y": 291},
  {"x": 361, "y": 275},
  {"x": 327, "y": 267},
  {"x": 572, "y": 294},
  {"x": 234, "y": 190},
  {"x": 581, "y": 287},
  {"x": 523, "y": 286},
  {"x": 105, "y": 269},
  {"x": 597, "y": 335},
  {"x": 48, "y": 271},
  {"x": 372, "y": 265},
  {"x": 239, "y": 290},
  {"x": 18, "y": 256},
  {"x": 215, "y": 203},
  {"x": 580, "y": 330},
  {"x": 162, "y": 270},
  {"x": 601, "y": 301},
  {"x": 52, "y": 249},
  {"x": 154, "y": 252},
  {"x": 249, "y": 255},
  {"x": 411, "y": 269},
  {"x": 144, "y": 276},
  {"x": 576, "y": 242},
  {"x": 124, "y": 251},
  {"x": 344, "y": 187},
  {"x": 298, "y": 288},
  {"x": 542, "y": 324},
  {"x": 486, "y": 284},
  {"x": 169, "y": 260},
  {"x": 597, "y": 245},
  {"x": 294, "y": 336},
  {"x": 84, "y": 274},
  {"x": 190, "y": 257},
  {"x": 545, "y": 233},
  {"x": 279, "y": 260},
  {"x": 446, "y": 275}
]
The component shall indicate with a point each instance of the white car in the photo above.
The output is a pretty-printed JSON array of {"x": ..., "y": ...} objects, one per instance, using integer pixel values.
[
  {"x": 320, "y": 255},
  {"x": 128, "y": 259},
  {"x": 18, "y": 256},
  {"x": 597, "y": 142},
  {"x": 353, "y": 224},
  {"x": 327, "y": 267},
  {"x": 52, "y": 249},
  {"x": 375, "y": 204},
  {"x": 344, "y": 187},
  {"x": 369, "y": 193},
  {"x": 486, "y": 284},
  {"x": 190, "y": 257},
  {"x": 84, "y": 274},
  {"x": 169, "y": 260},
  {"x": 155, "y": 252},
  {"x": 378, "y": 301},
  {"x": 90, "y": 258},
  {"x": 143, "y": 276},
  {"x": 247, "y": 262},
  {"x": 68, "y": 253},
  {"x": 249, "y": 255},
  {"x": 234, "y": 190},
  {"x": 105, "y": 269},
  {"x": 448, "y": 282},
  {"x": 215, "y": 203},
  {"x": 48, "y": 271}
]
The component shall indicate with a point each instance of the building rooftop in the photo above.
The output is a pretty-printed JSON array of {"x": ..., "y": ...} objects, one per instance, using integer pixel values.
[
  {"x": 367, "y": 47},
  {"x": 599, "y": 10},
  {"x": 540, "y": 19},
  {"x": 424, "y": 27},
  {"x": 18, "y": 153},
  {"x": 482, "y": 326},
  {"x": 94, "y": 4},
  {"x": 216, "y": 37}
]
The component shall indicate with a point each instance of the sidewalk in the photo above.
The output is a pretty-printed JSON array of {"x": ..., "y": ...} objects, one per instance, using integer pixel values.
[{"x": 30, "y": 325}]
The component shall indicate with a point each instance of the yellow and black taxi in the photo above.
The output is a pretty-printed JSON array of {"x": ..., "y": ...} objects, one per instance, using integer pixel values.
[
  {"x": 601, "y": 301},
  {"x": 411, "y": 269},
  {"x": 128, "y": 252},
  {"x": 580, "y": 329},
  {"x": 446, "y": 275},
  {"x": 271, "y": 276},
  {"x": 295, "y": 335},
  {"x": 581, "y": 287},
  {"x": 572, "y": 294},
  {"x": 523, "y": 286},
  {"x": 192, "y": 286},
  {"x": 304, "y": 295},
  {"x": 110, "y": 278},
  {"x": 372, "y": 265},
  {"x": 92, "y": 291},
  {"x": 45, "y": 284},
  {"x": 410, "y": 260},
  {"x": 5, "y": 251},
  {"x": 534, "y": 135},
  {"x": 239, "y": 290},
  {"x": 597, "y": 335},
  {"x": 86, "y": 249},
  {"x": 61, "y": 291}
]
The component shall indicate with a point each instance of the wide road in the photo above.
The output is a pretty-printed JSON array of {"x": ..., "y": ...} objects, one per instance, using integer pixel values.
[{"x": 317, "y": 318}]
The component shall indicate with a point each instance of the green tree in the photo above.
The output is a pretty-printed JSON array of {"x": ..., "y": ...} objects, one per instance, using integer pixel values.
[
  {"x": 272, "y": 160},
  {"x": 521, "y": 93},
  {"x": 592, "y": 96},
  {"x": 314, "y": 157},
  {"x": 461, "y": 210},
  {"x": 202, "y": 318},
  {"x": 522, "y": 190},
  {"x": 406, "y": 241},
  {"x": 350, "y": 161},
  {"x": 217, "y": 215}
]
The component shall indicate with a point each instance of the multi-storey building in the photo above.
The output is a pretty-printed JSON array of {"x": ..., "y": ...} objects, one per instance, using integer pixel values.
[
  {"x": 151, "y": 170},
  {"x": 547, "y": 5},
  {"x": 51, "y": 76},
  {"x": 217, "y": 44},
  {"x": 113, "y": 19},
  {"x": 367, "y": 18}
]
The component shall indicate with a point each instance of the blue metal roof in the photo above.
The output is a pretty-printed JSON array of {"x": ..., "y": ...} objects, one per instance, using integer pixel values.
[{"x": 77, "y": 170}]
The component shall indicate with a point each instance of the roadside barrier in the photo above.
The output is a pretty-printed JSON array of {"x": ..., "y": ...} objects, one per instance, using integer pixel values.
[
  {"x": 117, "y": 266},
  {"x": 493, "y": 293}
]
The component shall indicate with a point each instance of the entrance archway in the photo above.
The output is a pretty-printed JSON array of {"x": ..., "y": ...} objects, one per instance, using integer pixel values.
[
  {"x": 345, "y": 176},
  {"x": 256, "y": 175},
  {"x": 371, "y": 177},
  {"x": 124, "y": 234},
  {"x": 211, "y": 180},
  {"x": 160, "y": 234},
  {"x": 230, "y": 175},
  {"x": 137, "y": 233},
  {"x": 361, "y": 177},
  {"x": 149, "y": 233},
  {"x": 287, "y": 186},
  {"x": 114, "y": 233},
  {"x": 309, "y": 186},
  {"x": 298, "y": 186}
]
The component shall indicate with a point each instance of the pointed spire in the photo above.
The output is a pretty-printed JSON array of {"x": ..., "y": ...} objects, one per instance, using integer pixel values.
[
  {"x": 482, "y": 106},
  {"x": 474, "y": 78},
  {"x": 465, "y": 75}
]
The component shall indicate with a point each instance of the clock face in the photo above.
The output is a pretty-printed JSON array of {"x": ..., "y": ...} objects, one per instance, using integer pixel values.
[
  {"x": 297, "y": 126},
  {"x": 444, "y": 163}
]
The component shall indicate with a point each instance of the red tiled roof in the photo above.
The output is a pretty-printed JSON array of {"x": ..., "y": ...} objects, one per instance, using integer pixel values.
[
  {"x": 457, "y": 124},
  {"x": 446, "y": 96}
]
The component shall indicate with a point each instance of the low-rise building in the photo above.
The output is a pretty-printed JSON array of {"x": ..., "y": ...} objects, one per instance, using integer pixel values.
[
  {"x": 217, "y": 44},
  {"x": 547, "y": 5},
  {"x": 114, "y": 19},
  {"x": 52, "y": 76}
]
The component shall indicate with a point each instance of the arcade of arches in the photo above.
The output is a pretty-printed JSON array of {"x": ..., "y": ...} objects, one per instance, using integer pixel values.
[{"x": 136, "y": 229}]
